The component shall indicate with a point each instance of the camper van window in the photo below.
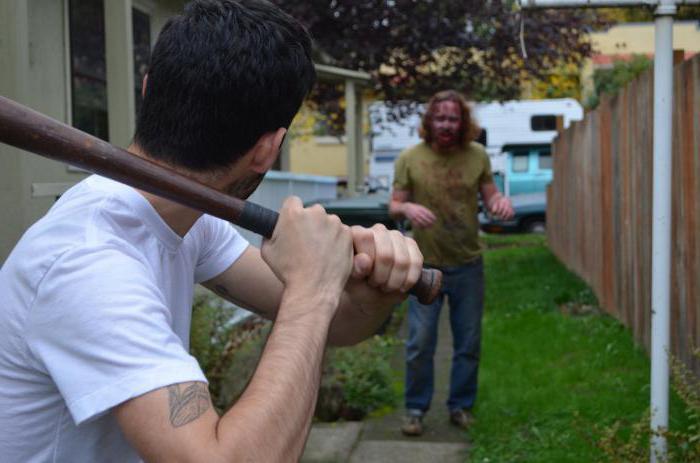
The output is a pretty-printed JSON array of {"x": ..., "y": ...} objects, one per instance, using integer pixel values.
[
  {"x": 88, "y": 67},
  {"x": 545, "y": 161},
  {"x": 543, "y": 122},
  {"x": 520, "y": 162}
]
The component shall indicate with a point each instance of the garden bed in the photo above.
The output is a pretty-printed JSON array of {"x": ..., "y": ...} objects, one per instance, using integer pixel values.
[{"x": 356, "y": 380}]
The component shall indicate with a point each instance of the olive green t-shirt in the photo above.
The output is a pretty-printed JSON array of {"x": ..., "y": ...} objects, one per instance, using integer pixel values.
[{"x": 448, "y": 185}]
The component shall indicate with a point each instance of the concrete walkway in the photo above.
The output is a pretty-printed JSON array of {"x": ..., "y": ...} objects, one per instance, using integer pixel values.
[{"x": 379, "y": 440}]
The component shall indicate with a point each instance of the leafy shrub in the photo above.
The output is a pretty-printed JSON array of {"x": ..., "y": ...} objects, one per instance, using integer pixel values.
[
  {"x": 226, "y": 352},
  {"x": 357, "y": 380},
  {"x": 611, "y": 81},
  {"x": 210, "y": 329}
]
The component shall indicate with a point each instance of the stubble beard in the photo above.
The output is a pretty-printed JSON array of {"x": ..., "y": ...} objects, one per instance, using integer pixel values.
[{"x": 447, "y": 145}]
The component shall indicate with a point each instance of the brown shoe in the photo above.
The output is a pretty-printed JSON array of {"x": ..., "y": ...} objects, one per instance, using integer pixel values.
[
  {"x": 462, "y": 418},
  {"x": 412, "y": 425}
]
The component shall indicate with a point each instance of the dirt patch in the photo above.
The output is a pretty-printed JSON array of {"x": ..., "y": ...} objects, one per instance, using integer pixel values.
[{"x": 576, "y": 309}]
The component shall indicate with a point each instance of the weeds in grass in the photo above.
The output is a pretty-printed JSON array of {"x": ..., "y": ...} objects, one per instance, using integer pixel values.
[{"x": 631, "y": 443}]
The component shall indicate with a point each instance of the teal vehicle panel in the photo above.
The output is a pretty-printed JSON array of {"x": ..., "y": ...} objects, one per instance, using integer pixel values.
[{"x": 529, "y": 170}]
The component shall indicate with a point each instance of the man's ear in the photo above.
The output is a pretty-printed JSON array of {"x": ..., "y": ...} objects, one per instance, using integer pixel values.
[
  {"x": 266, "y": 150},
  {"x": 144, "y": 82}
]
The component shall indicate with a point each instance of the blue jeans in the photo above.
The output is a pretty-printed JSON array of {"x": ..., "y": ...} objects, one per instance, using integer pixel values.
[{"x": 464, "y": 288}]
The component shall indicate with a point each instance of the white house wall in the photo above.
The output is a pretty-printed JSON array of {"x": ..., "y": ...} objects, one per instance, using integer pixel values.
[
  {"x": 34, "y": 70},
  {"x": 32, "y": 43}
]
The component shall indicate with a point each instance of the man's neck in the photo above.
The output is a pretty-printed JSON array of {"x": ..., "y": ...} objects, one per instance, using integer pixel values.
[
  {"x": 178, "y": 217},
  {"x": 441, "y": 149}
]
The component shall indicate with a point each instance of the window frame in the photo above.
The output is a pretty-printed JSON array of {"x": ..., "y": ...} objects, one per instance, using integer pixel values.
[
  {"x": 68, "y": 76},
  {"x": 146, "y": 7}
]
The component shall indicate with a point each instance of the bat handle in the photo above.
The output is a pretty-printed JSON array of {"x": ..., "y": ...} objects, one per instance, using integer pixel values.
[
  {"x": 258, "y": 219},
  {"x": 428, "y": 285},
  {"x": 262, "y": 220}
]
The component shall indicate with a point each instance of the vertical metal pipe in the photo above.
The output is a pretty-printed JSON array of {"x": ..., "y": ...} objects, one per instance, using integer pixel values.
[
  {"x": 350, "y": 139},
  {"x": 360, "y": 148},
  {"x": 661, "y": 227}
]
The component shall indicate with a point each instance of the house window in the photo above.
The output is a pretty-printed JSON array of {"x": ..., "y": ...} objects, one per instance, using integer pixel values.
[
  {"x": 543, "y": 122},
  {"x": 88, "y": 67},
  {"x": 89, "y": 63},
  {"x": 141, "y": 27}
]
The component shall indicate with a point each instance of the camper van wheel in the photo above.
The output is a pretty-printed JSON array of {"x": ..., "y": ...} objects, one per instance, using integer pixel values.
[{"x": 535, "y": 225}]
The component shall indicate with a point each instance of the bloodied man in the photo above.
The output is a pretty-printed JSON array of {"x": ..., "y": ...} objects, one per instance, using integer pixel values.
[{"x": 436, "y": 187}]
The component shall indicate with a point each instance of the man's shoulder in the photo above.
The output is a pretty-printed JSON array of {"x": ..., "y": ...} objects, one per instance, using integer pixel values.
[
  {"x": 81, "y": 223},
  {"x": 415, "y": 151},
  {"x": 477, "y": 149}
]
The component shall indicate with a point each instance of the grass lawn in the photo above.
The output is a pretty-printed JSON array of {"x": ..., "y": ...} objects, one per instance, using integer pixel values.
[{"x": 551, "y": 380}]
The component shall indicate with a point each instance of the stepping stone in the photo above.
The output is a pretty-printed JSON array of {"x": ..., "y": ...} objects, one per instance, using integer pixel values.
[
  {"x": 331, "y": 442},
  {"x": 415, "y": 452}
]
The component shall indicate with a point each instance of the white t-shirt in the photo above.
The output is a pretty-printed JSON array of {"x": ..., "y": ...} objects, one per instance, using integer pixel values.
[{"x": 95, "y": 309}]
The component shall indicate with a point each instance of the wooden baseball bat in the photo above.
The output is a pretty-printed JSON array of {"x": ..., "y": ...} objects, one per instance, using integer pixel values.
[{"x": 32, "y": 131}]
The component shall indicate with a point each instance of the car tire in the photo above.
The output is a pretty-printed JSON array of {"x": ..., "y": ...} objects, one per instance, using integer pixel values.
[{"x": 535, "y": 225}]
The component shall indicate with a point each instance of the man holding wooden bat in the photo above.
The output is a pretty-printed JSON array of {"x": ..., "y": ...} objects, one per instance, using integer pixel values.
[{"x": 95, "y": 300}]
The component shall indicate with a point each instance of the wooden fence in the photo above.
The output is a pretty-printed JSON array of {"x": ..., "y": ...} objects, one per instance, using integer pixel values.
[{"x": 599, "y": 207}]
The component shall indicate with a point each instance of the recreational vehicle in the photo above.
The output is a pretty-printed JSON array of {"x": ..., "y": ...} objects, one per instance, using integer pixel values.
[{"x": 517, "y": 136}]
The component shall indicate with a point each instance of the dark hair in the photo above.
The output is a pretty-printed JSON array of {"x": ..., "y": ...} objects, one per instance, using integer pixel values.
[
  {"x": 470, "y": 129},
  {"x": 221, "y": 75}
]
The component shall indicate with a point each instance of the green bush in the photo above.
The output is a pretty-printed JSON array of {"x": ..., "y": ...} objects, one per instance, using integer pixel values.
[
  {"x": 611, "y": 81},
  {"x": 227, "y": 353},
  {"x": 357, "y": 380},
  {"x": 209, "y": 332}
]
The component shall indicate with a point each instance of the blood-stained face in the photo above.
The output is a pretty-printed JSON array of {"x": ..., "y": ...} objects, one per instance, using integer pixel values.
[{"x": 446, "y": 124}]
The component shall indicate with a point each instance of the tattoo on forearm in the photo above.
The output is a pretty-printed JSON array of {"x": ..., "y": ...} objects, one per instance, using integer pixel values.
[{"x": 187, "y": 402}]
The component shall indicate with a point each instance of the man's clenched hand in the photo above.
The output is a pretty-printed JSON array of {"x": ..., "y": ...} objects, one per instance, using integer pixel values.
[{"x": 385, "y": 266}]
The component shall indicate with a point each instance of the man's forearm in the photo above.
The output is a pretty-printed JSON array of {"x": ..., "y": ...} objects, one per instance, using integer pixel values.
[
  {"x": 273, "y": 416},
  {"x": 353, "y": 323},
  {"x": 397, "y": 209}
]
